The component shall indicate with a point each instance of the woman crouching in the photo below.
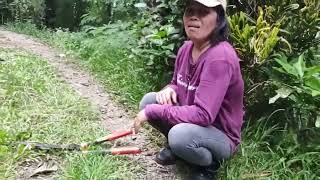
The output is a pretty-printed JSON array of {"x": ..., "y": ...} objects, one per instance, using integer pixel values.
[{"x": 201, "y": 110}]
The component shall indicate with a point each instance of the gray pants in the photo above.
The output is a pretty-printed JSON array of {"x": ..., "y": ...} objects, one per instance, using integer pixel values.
[{"x": 195, "y": 144}]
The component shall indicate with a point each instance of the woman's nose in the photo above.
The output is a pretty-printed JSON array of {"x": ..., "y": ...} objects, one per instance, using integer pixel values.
[{"x": 194, "y": 18}]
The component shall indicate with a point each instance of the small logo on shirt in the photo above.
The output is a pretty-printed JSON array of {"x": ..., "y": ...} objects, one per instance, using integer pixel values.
[{"x": 184, "y": 84}]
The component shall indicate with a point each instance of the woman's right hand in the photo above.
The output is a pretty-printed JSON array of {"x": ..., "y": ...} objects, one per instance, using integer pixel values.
[{"x": 167, "y": 96}]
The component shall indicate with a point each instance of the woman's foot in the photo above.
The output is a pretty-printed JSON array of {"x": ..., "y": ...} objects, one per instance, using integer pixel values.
[
  {"x": 165, "y": 157},
  {"x": 203, "y": 173}
]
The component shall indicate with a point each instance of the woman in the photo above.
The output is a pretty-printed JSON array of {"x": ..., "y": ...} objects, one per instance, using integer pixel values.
[{"x": 201, "y": 110}]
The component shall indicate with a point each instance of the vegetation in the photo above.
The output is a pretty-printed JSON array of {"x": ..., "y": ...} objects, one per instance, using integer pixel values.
[
  {"x": 130, "y": 46},
  {"x": 27, "y": 85}
]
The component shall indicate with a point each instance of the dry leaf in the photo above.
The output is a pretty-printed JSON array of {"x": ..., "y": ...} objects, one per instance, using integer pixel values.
[{"x": 45, "y": 167}]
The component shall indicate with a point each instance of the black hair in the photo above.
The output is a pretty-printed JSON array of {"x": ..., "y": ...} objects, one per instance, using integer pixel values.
[{"x": 221, "y": 32}]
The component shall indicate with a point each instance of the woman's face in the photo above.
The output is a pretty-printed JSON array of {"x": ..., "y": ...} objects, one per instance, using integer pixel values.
[{"x": 199, "y": 21}]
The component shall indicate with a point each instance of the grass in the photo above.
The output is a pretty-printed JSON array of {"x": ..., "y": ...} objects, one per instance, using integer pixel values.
[
  {"x": 257, "y": 158},
  {"x": 266, "y": 152},
  {"x": 36, "y": 105},
  {"x": 105, "y": 55}
]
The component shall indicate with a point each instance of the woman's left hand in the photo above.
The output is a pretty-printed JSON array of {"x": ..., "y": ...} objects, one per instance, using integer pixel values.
[{"x": 139, "y": 120}]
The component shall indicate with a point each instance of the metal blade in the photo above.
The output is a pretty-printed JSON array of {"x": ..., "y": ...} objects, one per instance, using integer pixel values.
[{"x": 54, "y": 147}]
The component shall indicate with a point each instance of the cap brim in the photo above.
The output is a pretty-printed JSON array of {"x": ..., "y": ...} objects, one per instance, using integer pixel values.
[{"x": 209, "y": 3}]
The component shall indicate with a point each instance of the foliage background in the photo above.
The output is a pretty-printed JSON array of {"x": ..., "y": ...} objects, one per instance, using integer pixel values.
[{"x": 136, "y": 41}]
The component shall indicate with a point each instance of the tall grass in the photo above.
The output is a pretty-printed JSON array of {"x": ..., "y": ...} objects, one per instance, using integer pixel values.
[
  {"x": 259, "y": 158},
  {"x": 266, "y": 152},
  {"x": 35, "y": 105}
]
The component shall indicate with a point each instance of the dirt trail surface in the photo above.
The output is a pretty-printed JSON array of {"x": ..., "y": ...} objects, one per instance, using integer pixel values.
[{"x": 113, "y": 116}]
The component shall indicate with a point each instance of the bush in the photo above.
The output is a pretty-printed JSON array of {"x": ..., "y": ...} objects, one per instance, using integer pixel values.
[{"x": 23, "y": 10}]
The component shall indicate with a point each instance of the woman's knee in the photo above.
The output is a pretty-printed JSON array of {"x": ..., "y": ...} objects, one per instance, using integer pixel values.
[
  {"x": 149, "y": 98},
  {"x": 178, "y": 136},
  {"x": 183, "y": 143}
]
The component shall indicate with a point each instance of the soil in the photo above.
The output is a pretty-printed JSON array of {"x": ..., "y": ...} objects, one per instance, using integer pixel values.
[{"x": 113, "y": 115}]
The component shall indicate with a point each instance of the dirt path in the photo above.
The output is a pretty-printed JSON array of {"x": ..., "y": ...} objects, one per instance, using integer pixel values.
[{"x": 113, "y": 117}]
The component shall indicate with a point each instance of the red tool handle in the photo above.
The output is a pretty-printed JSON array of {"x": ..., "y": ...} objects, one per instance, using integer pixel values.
[
  {"x": 115, "y": 151},
  {"x": 114, "y": 136},
  {"x": 125, "y": 150}
]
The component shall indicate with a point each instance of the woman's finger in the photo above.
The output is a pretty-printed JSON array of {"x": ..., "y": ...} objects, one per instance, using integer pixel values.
[
  {"x": 174, "y": 97},
  {"x": 168, "y": 98},
  {"x": 133, "y": 130},
  {"x": 161, "y": 98},
  {"x": 164, "y": 98},
  {"x": 136, "y": 126},
  {"x": 158, "y": 97}
]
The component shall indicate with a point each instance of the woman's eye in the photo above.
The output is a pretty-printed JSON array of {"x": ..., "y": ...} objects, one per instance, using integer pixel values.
[{"x": 200, "y": 12}]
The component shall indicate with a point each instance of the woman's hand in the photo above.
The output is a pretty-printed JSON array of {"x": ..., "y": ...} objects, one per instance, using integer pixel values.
[
  {"x": 138, "y": 121},
  {"x": 167, "y": 96}
]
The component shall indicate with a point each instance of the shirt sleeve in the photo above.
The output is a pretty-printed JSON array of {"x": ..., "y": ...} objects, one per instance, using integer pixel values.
[{"x": 213, "y": 86}]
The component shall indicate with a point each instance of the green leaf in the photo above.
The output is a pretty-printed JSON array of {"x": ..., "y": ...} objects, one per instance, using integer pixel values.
[
  {"x": 315, "y": 93},
  {"x": 292, "y": 7},
  {"x": 286, "y": 66},
  {"x": 24, "y": 135},
  {"x": 3, "y": 137},
  {"x": 4, "y": 150},
  {"x": 279, "y": 69},
  {"x": 140, "y": 5},
  {"x": 317, "y": 124},
  {"x": 162, "y": 34},
  {"x": 170, "y": 47},
  {"x": 313, "y": 83},
  {"x": 312, "y": 70},
  {"x": 170, "y": 30},
  {"x": 300, "y": 66},
  {"x": 150, "y": 63}
]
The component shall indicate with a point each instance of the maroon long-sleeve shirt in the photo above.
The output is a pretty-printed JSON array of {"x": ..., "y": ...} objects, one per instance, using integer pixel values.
[{"x": 210, "y": 91}]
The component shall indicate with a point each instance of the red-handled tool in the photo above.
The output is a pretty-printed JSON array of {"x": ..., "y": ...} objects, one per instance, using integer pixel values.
[
  {"x": 113, "y": 136},
  {"x": 109, "y": 137},
  {"x": 84, "y": 147},
  {"x": 116, "y": 151}
]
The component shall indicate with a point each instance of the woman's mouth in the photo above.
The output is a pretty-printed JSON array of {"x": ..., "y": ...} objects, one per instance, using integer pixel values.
[{"x": 193, "y": 26}]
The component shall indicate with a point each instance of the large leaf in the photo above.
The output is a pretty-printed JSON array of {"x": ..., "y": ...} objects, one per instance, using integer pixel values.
[
  {"x": 313, "y": 83},
  {"x": 286, "y": 66},
  {"x": 311, "y": 71},
  {"x": 315, "y": 93},
  {"x": 311, "y": 91},
  {"x": 300, "y": 66}
]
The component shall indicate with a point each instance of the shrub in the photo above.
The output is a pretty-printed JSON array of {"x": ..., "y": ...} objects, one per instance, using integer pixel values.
[{"x": 24, "y": 10}]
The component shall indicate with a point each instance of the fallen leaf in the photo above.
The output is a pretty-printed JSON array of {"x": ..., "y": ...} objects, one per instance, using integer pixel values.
[
  {"x": 255, "y": 175},
  {"x": 45, "y": 167}
]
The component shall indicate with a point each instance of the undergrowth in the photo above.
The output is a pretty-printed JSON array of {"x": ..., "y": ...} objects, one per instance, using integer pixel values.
[
  {"x": 36, "y": 105},
  {"x": 266, "y": 152}
]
